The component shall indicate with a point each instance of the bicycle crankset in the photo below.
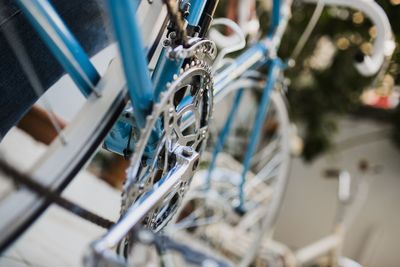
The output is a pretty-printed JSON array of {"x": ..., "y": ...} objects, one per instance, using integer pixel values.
[{"x": 178, "y": 124}]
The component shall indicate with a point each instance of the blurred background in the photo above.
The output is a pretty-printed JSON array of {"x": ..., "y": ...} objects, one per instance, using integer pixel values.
[
  {"x": 347, "y": 122},
  {"x": 324, "y": 87}
]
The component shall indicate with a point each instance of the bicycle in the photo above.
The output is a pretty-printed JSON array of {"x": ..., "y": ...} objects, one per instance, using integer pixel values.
[
  {"x": 151, "y": 185},
  {"x": 204, "y": 210},
  {"x": 200, "y": 216},
  {"x": 181, "y": 67}
]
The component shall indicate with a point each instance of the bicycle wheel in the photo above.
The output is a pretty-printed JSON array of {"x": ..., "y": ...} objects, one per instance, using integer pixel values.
[
  {"x": 19, "y": 207},
  {"x": 208, "y": 216}
]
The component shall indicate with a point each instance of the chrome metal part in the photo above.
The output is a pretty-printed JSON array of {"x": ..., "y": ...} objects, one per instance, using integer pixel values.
[
  {"x": 100, "y": 253},
  {"x": 200, "y": 48},
  {"x": 181, "y": 118}
]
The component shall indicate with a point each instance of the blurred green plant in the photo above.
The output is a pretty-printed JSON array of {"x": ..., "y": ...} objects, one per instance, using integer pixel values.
[{"x": 324, "y": 83}]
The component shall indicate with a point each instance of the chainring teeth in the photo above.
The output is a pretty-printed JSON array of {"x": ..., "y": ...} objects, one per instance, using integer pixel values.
[{"x": 195, "y": 68}]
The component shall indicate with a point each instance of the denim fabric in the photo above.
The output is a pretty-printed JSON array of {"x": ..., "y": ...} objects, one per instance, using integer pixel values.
[{"x": 85, "y": 19}]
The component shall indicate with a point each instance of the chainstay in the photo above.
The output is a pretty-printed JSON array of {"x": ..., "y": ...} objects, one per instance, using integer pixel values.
[{"x": 52, "y": 197}]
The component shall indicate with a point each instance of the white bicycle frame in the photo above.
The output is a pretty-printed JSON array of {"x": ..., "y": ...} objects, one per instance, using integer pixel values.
[{"x": 330, "y": 245}]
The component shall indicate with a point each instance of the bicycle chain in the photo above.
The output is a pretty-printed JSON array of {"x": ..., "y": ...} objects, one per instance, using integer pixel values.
[{"x": 51, "y": 196}]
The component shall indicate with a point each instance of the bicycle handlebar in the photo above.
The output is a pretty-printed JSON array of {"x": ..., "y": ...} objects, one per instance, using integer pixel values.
[{"x": 383, "y": 44}]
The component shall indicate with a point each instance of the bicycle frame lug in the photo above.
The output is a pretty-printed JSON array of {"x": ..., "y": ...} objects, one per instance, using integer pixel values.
[{"x": 120, "y": 139}]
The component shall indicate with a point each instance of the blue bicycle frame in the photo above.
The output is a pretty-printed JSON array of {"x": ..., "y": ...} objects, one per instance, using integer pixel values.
[
  {"x": 258, "y": 54},
  {"x": 252, "y": 58},
  {"x": 143, "y": 88}
]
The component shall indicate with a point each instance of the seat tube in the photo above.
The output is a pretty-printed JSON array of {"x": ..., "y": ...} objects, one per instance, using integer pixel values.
[
  {"x": 166, "y": 68},
  {"x": 133, "y": 54}
]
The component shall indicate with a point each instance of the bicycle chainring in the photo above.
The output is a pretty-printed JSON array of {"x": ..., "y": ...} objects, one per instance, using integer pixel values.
[{"x": 181, "y": 117}]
